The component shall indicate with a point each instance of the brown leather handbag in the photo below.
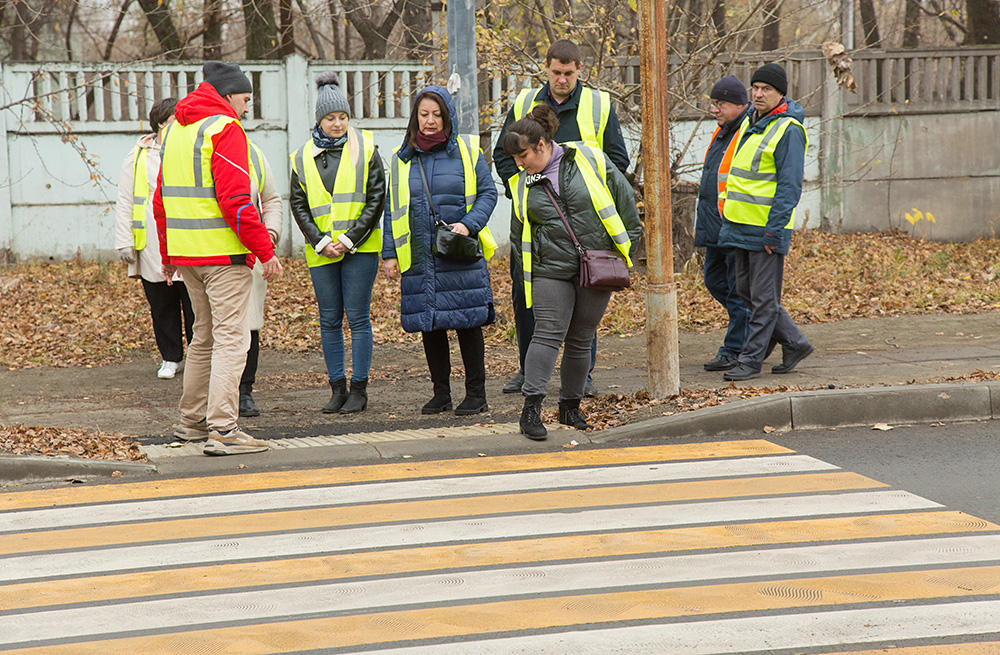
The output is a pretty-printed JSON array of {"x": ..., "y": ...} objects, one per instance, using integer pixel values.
[{"x": 601, "y": 270}]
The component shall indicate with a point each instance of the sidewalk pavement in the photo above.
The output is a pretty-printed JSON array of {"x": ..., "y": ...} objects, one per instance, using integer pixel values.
[{"x": 896, "y": 370}]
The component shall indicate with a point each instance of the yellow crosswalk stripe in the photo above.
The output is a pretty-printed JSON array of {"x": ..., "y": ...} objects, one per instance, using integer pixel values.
[
  {"x": 342, "y": 567},
  {"x": 382, "y": 472},
  {"x": 422, "y": 510},
  {"x": 553, "y": 612}
]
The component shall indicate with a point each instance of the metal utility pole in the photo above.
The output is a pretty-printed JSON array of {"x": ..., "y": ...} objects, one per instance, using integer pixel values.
[
  {"x": 847, "y": 24},
  {"x": 661, "y": 292},
  {"x": 462, "y": 62}
]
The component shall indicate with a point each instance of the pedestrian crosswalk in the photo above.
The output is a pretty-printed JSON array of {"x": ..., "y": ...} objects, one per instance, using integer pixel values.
[{"x": 722, "y": 547}]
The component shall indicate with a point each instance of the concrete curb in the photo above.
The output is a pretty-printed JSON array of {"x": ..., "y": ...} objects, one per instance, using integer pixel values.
[
  {"x": 802, "y": 410},
  {"x": 39, "y": 469},
  {"x": 897, "y": 405}
]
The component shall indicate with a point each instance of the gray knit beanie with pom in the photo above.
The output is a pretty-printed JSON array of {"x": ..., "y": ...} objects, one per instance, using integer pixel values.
[{"x": 329, "y": 97}]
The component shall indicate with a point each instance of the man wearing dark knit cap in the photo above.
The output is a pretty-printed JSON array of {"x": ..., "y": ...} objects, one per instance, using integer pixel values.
[
  {"x": 731, "y": 109},
  {"x": 212, "y": 233},
  {"x": 763, "y": 187}
]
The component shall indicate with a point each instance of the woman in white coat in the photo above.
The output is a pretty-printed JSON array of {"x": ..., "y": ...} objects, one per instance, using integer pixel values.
[{"x": 137, "y": 243}]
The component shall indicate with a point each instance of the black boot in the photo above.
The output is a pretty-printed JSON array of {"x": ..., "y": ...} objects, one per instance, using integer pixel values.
[
  {"x": 439, "y": 403},
  {"x": 339, "y": 397},
  {"x": 357, "y": 400},
  {"x": 531, "y": 418},
  {"x": 247, "y": 405},
  {"x": 569, "y": 414}
]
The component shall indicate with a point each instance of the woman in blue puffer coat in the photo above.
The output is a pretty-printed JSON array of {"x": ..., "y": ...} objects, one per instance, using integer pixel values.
[{"x": 440, "y": 294}]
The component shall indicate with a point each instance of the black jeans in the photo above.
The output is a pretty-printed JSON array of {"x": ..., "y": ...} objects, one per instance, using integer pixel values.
[
  {"x": 473, "y": 347},
  {"x": 169, "y": 306},
  {"x": 250, "y": 370}
]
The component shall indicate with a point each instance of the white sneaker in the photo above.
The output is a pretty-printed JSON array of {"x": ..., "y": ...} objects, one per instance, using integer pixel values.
[
  {"x": 168, "y": 370},
  {"x": 234, "y": 442}
]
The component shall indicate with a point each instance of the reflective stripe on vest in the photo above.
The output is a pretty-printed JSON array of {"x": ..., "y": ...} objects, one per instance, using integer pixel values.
[
  {"x": 727, "y": 160},
  {"x": 399, "y": 199},
  {"x": 592, "y": 112},
  {"x": 336, "y": 213},
  {"x": 593, "y": 168},
  {"x": 195, "y": 226},
  {"x": 753, "y": 177},
  {"x": 140, "y": 197}
]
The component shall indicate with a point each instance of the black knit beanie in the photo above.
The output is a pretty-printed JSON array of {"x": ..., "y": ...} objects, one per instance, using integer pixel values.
[
  {"x": 730, "y": 89},
  {"x": 772, "y": 74},
  {"x": 226, "y": 78}
]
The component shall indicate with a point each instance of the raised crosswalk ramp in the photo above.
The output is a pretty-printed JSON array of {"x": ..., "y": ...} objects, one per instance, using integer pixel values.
[{"x": 723, "y": 547}]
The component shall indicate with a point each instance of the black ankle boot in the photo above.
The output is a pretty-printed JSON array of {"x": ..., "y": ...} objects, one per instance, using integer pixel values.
[
  {"x": 569, "y": 414},
  {"x": 357, "y": 400},
  {"x": 471, "y": 405},
  {"x": 531, "y": 418},
  {"x": 247, "y": 405},
  {"x": 339, "y": 397},
  {"x": 439, "y": 403}
]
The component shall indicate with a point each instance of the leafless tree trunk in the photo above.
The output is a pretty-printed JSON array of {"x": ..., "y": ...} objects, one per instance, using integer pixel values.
[
  {"x": 869, "y": 23},
  {"x": 983, "y": 22},
  {"x": 109, "y": 48},
  {"x": 158, "y": 14},
  {"x": 338, "y": 51},
  {"x": 771, "y": 33},
  {"x": 375, "y": 35},
  {"x": 417, "y": 25},
  {"x": 719, "y": 18},
  {"x": 212, "y": 41},
  {"x": 911, "y": 24},
  {"x": 286, "y": 29},
  {"x": 262, "y": 31},
  {"x": 69, "y": 29}
]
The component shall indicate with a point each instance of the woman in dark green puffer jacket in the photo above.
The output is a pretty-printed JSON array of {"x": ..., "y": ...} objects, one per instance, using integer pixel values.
[{"x": 564, "y": 312}]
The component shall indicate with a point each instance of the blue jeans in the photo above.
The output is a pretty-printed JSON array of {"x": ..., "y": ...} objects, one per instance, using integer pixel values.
[
  {"x": 720, "y": 280},
  {"x": 346, "y": 287}
]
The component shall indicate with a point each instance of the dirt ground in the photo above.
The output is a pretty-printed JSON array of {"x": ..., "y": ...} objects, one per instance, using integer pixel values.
[
  {"x": 128, "y": 398},
  {"x": 290, "y": 389}
]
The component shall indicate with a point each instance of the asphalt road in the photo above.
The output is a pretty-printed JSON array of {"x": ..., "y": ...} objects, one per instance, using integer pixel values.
[{"x": 954, "y": 464}]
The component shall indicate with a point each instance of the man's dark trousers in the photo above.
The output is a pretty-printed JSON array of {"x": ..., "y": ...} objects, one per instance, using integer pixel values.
[
  {"x": 758, "y": 281},
  {"x": 720, "y": 280}
]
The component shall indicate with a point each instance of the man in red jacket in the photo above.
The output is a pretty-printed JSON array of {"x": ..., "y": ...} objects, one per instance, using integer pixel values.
[{"x": 211, "y": 232}]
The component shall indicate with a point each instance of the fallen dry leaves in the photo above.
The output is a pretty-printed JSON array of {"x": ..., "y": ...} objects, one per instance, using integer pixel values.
[
  {"x": 79, "y": 313},
  {"x": 93, "y": 444}
]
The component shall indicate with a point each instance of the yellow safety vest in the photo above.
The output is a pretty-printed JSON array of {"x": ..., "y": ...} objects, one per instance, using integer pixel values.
[
  {"x": 140, "y": 197},
  {"x": 753, "y": 177},
  {"x": 399, "y": 199},
  {"x": 195, "y": 226},
  {"x": 592, "y": 112},
  {"x": 593, "y": 168},
  {"x": 336, "y": 213},
  {"x": 256, "y": 170}
]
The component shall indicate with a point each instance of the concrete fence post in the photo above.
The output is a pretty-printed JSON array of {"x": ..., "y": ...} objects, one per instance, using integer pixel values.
[
  {"x": 299, "y": 112},
  {"x": 6, "y": 179}
]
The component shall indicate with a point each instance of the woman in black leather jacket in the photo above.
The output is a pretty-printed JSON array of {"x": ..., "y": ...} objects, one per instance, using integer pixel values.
[{"x": 337, "y": 195}]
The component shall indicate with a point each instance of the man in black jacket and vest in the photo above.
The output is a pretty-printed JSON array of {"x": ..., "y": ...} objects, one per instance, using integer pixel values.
[
  {"x": 585, "y": 114},
  {"x": 730, "y": 108}
]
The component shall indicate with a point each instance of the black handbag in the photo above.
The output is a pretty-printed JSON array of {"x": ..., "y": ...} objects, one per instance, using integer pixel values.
[
  {"x": 448, "y": 244},
  {"x": 600, "y": 270}
]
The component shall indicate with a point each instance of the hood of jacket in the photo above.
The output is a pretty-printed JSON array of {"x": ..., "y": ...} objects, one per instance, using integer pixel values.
[
  {"x": 148, "y": 141},
  {"x": 406, "y": 151},
  {"x": 201, "y": 103}
]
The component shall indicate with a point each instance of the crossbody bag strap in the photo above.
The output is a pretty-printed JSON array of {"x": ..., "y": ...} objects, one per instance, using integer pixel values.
[
  {"x": 427, "y": 191},
  {"x": 555, "y": 203}
]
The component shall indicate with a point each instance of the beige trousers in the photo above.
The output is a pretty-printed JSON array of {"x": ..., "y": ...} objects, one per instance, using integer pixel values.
[{"x": 218, "y": 351}]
